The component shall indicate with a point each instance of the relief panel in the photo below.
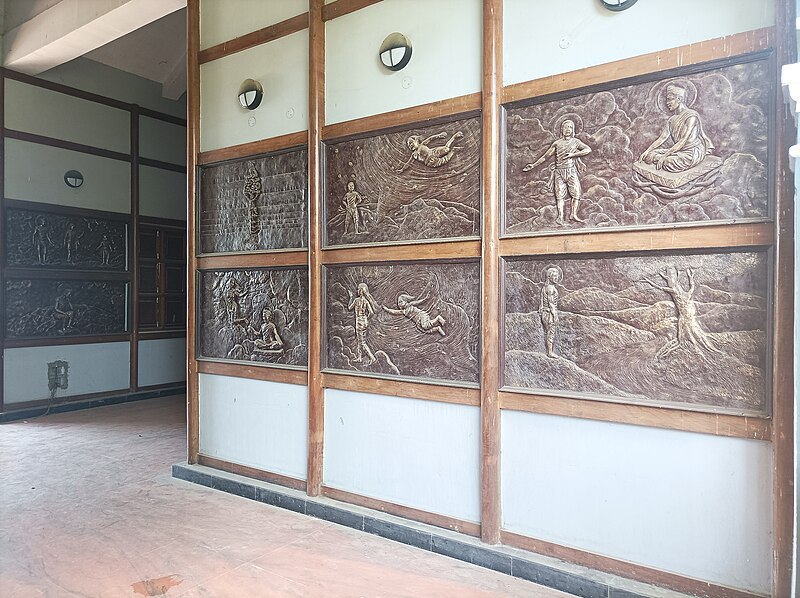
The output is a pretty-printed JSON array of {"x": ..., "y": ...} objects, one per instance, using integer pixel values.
[
  {"x": 43, "y": 307},
  {"x": 258, "y": 315},
  {"x": 254, "y": 204},
  {"x": 688, "y": 148},
  {"x": 417, "y": 320},
  {"x": 685, "y": 330},
  {"x": 417, "y": 184},
  {"x": 37, "y": 238}
]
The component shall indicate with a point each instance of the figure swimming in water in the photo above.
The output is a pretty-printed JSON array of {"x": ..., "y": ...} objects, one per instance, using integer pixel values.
[
  {"x": 422, "y": 319},
  {"x": 433, "y": 157}
]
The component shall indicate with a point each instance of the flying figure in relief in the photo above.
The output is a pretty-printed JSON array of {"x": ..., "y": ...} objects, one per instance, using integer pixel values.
[
  {"x": 421, "y": 319},
  {"x": 564, "y": 177},
  {"x": 433, "y": 157}
]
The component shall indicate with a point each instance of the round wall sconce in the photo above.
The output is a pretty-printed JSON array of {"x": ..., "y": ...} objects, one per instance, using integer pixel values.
[
  {"x": 617, "y": 5},
  {"x": 250, "y": 94},
  {"x": 73, "y": 179},
  {"x": 395, "y": 51}
]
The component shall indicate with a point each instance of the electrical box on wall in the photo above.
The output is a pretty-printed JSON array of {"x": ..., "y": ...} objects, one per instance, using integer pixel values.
[{"x": 57, "y": 375}]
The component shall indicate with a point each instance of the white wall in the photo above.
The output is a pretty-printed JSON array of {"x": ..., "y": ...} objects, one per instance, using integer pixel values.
[
  {"x": 162, "y": 193},
  {"x": 92, "y": 368},
  {"x": 255, "y": 423},
  {"x": 446, "y": 39},
  {"x": 535, "y": 31},
  {"x": 281, "y": 67},
  {"x": 693, "y": 504},
  {"x": 162, "y": 361},
  {"x": 161, "y": 140},
  {"x": 53, "y": 114},
  {"x": 223, "y": 20},
  {"x": 36, "y": 173},
  {"x": 420, "y": 454}
]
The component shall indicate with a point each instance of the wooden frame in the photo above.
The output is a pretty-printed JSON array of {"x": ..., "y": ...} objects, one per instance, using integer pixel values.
[
  {"x": 491, "y": 248},
  {"x": 252, "y": 472}
]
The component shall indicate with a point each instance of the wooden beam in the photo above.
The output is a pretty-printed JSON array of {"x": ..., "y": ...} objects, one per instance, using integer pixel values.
[
  {"x": 458, "y": 395},
  {"x": 689, "y": 237},
  {"x": 490, "y": 270},
  {"x": 256, "y": 38},
  {"x": 133, "y": 233},
  {"x": 665, "y": 579},
  {"x": 253, "y": 372},
  {"x": 252, "y": 472},
  {"x": 718, "y": 424},
  {"x": 192, "y": 151},
  {"x": 408, "y": 116},
  {"x": 67, "y": 145},
  {"x": 253, "y": 148},
  {"x": 316, "y": 121},
  {"x": 344, "y": 7},
  {"x": 457, "y": 525},
  {"x": 407, "y": 251},
  {"x": 713, "y": 49},
  {"x": 783, "y": 313},
  {"x": 266, "y": 259}
]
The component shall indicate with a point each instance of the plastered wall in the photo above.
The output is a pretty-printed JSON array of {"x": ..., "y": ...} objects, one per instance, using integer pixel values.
[
  {"x": 255, "y": 423},
  {"x": 281, "y": 67},
  {"x": 420, "y": 454},
  {"x": 161, "y": 140},
  {"x": 162, "y": 193},
  {"x": 445, "y": 61},
  {"x": 223, "y": 20},
  {"x": 92, "y": 368},
  {"x": 162, "y": 361}
]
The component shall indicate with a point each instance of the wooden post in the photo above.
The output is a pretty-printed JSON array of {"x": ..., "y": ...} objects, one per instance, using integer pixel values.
[
  {"x": 490, "y": 270},
  {"x": 783, "y": 367},
  {"x": 192, "y": 149},
  {"x": 316, "y": 122},
  {"x": 133, "y": 235}
]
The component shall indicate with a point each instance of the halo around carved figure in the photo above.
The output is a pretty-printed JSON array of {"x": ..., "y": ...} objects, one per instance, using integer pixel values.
[
  {"x": 546, "y": 271},
  {"x": 576, "y": 120},
  {"x": 688, "y": 86}
]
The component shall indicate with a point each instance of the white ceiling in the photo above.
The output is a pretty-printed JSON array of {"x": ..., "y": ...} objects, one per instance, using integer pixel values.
[{"x": 131, "y": 35}]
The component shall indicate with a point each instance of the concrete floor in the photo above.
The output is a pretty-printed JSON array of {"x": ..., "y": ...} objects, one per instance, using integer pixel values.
[{"x": 88, "y": 508}]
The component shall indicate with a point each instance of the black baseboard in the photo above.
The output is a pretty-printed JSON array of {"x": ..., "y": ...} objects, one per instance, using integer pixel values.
[
  {"x": 571, "y": 579},
  {"x": 31, "y": 412}
]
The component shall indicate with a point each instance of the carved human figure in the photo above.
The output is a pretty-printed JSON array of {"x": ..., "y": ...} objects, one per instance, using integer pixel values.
[
  {"x": 252, "y": 189},
  {"x": 687, "y": 144},
  {"x": 268, "y": 338},
  {"x": 106, "y": 247},
  {"x": 565, "y": 171},
  {"x": 433, "y": 157},
  {"x": 232, "y": 296},
  {"x": 690, "y": 334},
  {"x": 355, "y": 209},
  {"x": 548, "y": 308},
  {"x": 63, "y": 311},
  {"x": 41, "y": 239},
  {"x": 362, "y": 307},
  {"x": 421, "y": 319},
  {"x": 71, "y": 240}
]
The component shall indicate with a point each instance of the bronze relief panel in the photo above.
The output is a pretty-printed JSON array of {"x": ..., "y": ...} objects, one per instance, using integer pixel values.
[
  {"x": 39, "y": 238},
  {"x": 684, "y": 330},
  {"x": 417, "y": 320},
  {"x": 258, "y": 315},
  {"x": 417, "y": 184},
  {"x": 691, "y": 147},
  {"x": 42, "y": 307},
  {"x": 254, "y": 204}
]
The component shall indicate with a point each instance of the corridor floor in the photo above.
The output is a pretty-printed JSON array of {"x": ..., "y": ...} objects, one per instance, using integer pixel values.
[{"x": 88, "y": 509}]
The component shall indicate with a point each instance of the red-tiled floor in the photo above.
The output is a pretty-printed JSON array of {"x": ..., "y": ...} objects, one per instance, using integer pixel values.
[{"x": 88, "y": 508}]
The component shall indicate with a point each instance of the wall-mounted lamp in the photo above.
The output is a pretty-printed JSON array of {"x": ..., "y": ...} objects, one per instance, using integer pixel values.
[
  {"x": 617, "y": 5},
  {"x": 73, "y": 179},
  {"x": 395, "y": 51},
  {"x": 250, "y": 94}
]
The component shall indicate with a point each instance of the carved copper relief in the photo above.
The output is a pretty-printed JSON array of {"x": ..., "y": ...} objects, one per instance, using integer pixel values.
[
  {"x": 254, "y": 204},
  {"x": 419, "y": 320},
  {"x": 688, "y": 148},
  {"x": 37, "y": 238},
  {"x": 258, "y": 315},
  {"x": 681, "y": 329},
  {"x": 417, "y": 184},
  {"x": 38, "y": 308}
]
